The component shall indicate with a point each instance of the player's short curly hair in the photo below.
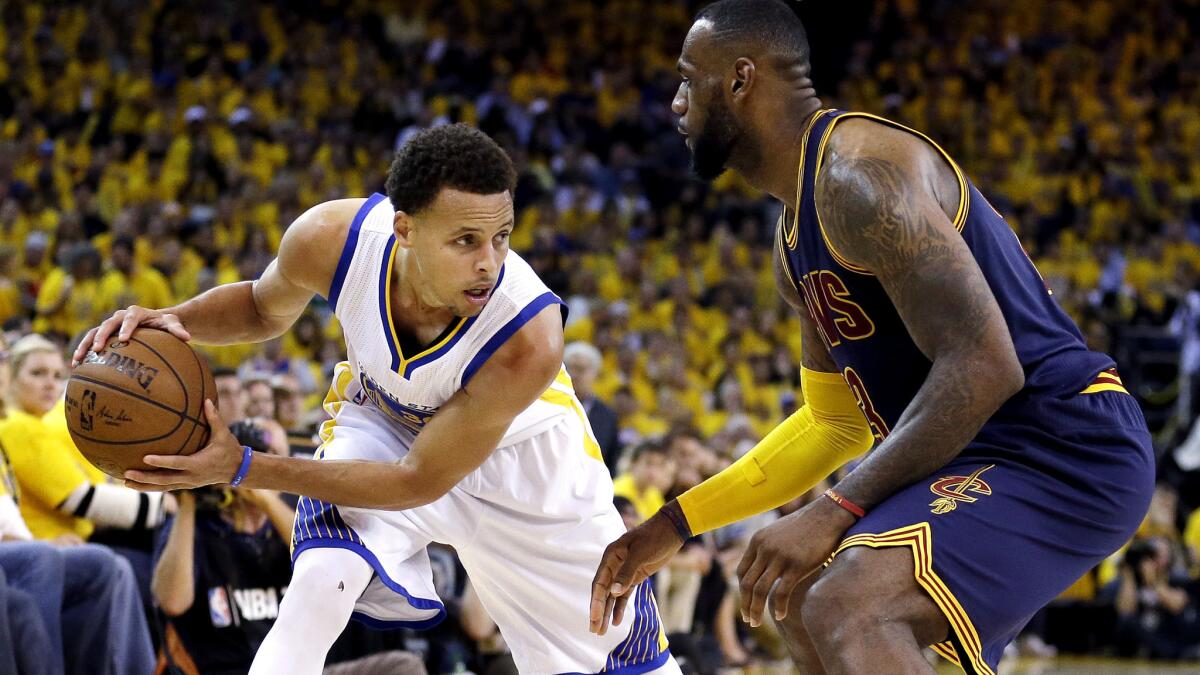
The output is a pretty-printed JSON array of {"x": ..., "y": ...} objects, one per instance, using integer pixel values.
[{"x": 452, "y": 156}]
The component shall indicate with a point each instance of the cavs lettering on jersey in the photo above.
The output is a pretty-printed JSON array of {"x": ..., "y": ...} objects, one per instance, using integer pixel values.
[
  {"x": 864, "y": 333},
  {"x": 409, "y": 388}
]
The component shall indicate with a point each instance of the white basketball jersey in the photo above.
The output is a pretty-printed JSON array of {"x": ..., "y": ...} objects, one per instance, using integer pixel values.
[{"x": 409, "y": 388}]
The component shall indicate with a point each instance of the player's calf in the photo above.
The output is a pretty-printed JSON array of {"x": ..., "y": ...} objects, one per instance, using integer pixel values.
[{"x": 866, "y": 609}]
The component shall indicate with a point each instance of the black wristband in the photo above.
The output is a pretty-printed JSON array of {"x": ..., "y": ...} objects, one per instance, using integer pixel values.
[{"x": 674, "y": 513}]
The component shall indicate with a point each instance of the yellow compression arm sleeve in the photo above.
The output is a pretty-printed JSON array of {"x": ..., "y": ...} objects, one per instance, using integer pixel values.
[{"x": 825, "y": 433}]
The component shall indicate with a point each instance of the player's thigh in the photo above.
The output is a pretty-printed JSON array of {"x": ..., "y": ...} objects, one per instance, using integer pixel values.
[
  {"x": 864, "y": 588},
  {"x": 544, "y": 518}
]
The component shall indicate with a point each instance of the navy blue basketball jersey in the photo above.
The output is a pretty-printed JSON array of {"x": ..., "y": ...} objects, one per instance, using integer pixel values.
[{"x": 863, "y": 331}]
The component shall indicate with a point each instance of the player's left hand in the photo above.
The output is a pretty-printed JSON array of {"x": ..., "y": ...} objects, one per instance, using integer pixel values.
[
  {"x": 788, "y": 551},
  {"x": 215, "y": 463}
]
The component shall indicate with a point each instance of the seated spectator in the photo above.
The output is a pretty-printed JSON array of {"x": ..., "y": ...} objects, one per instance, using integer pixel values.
[
  {"x": 129, "y": 283},
  {"x": 1157, "y": 617},
  {"x": 651, "y": 473},
  {"x": 273, "y": 361},
  {"x": 221, "y": 565},
  {"x": 234, "y": 401},
  {"x": 67, "y": 300},
  {"x": 23, "y": 632},
  {"x": 260, "y": 398},
  {"x": 289, "y": 402},
  {"x": 231, "y": 394},
  {"x": 71, "y": 608},
  {"x": 63, "y": 494},
  {"x": 88, "y": 603},
  {"x": 629, "y": 512},
  {"x": 65, "y": 498},
  {"x": 694, "y": 460},
  {"x": 678, "y": 584},
  {"x": 583, "y": 362}
]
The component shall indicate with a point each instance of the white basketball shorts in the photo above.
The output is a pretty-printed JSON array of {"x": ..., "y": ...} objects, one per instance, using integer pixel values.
[{"x": 529, "y": 525}]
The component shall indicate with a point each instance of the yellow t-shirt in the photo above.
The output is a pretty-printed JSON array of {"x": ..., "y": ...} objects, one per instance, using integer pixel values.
[
  {"x": 48, "y": 468},
  {"x": 1191, "y": 532},
  {"x": 8, "y": 482},
  {"x": 647, "y": 425},
  {"x": 647, "y": 503},
  {"x": 10, "y": 299},
  {"x": 146, "y": 287},
  {"x": 77, "y": 314}
]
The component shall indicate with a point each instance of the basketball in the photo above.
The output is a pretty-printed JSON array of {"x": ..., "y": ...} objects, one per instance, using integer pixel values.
[{"x": 137, "y": 398}]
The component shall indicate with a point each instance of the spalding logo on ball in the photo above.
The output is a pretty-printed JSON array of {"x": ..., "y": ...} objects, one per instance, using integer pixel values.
[{"x": 141, "y": 397}]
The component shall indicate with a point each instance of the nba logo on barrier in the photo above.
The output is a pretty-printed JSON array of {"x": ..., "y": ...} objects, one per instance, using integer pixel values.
[{"x": 218, "y": 607}]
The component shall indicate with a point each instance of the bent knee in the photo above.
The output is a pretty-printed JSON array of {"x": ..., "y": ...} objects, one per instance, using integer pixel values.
[
  {"x": 329, "y": 581},
  {"x": 865, "y": 591},
  {"x": 97, "y": 560}
]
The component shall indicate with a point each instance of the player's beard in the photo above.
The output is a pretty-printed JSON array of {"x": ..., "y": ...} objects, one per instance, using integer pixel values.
[{"x": 714, "y": 145}]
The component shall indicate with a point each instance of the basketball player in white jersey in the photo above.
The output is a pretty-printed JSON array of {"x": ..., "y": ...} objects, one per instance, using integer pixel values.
[{"x": 453, "y": 421}]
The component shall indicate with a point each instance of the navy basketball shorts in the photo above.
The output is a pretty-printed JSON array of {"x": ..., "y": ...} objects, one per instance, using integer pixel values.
[{"x": 1032, "y": 504}]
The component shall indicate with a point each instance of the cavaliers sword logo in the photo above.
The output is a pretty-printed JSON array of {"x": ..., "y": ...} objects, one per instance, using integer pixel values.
[{"x": 953, "y": 489}]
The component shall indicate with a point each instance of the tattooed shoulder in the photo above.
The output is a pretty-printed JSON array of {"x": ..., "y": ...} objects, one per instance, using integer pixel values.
[{"x": 872, "y": 213}]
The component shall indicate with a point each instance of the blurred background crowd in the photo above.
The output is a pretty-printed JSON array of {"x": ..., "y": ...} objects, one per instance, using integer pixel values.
[{"x": 151, "y": 150}]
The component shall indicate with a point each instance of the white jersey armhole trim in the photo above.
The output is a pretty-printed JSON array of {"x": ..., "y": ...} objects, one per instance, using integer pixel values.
[
  {"x": 343, "y": 266},
  {"x": 506, "y": 331}
]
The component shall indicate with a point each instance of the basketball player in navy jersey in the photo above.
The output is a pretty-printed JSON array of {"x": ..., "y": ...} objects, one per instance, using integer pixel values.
[{"x": 1008, "y": 459}]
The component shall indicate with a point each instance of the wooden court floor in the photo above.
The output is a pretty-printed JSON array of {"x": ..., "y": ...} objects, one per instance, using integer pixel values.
[
  {"x": 1030, "y": 666},
  {"x": 1087, "y": 666}
]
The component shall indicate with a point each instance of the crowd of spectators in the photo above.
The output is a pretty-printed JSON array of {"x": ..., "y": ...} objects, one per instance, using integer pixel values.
[{"x": 149, "y": 151}]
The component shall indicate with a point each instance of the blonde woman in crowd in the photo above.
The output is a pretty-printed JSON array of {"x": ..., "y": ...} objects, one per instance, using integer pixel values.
[
  {"x": 64, "y": 498},
  {"x": 87, "y": 604}
]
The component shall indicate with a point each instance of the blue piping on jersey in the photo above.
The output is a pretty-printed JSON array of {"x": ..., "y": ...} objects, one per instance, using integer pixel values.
[
  {"x": 404, "y": 366},
  {"x": 638, "y": 652},
  {"x": 365, "y": 554},
  {"x": 385, "y": 274},
  {"x": 506, "y": 331},
  {"x": 307, "y": 512},
  {"x": 429, "y": 357},
  {"x": 379, "y": 624},
  {"x": 343, "y": 266},
  {"x": 642, "y": 640}
]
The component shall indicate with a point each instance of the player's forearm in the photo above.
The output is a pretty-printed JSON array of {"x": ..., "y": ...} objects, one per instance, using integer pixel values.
[
  {"x": 363, "y": 484},
  {"x": 226, "y": 315},
  {"x": 173, "y": 585},
  {"x": 827, "y": 431},
  {"x": 958, "y": 397}
]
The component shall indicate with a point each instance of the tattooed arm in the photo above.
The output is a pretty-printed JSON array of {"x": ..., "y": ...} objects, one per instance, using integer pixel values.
[{"x": 884, "y": 206}]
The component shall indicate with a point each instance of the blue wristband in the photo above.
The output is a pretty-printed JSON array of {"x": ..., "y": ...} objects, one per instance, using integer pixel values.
[{"x": 247, "y": 455}]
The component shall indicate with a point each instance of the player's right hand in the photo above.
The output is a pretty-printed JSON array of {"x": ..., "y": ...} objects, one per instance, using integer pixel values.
[
  {"x": 123, "y": 322},
  {"x": 627, "y": 562}
]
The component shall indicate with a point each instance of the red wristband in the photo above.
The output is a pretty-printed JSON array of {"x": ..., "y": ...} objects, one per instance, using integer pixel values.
[{"x": 846, "y": 504}]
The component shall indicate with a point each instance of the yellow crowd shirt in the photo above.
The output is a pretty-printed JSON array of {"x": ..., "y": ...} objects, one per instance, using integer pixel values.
[
  {"x": 647, "y": 502},
  {"x": 48, "y": 468}
]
